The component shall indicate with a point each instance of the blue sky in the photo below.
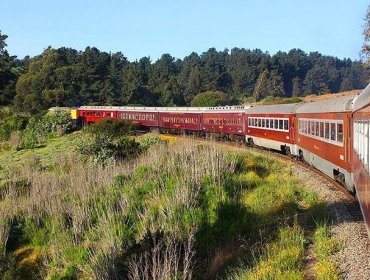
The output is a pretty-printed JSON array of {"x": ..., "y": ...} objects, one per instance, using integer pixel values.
[{"x": 151, "y": 28}]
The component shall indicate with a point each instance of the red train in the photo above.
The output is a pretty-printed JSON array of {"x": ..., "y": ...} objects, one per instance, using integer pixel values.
[{"x": 332, "y": 135}]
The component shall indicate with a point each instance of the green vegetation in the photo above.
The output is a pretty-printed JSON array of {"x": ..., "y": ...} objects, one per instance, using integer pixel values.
[
  {"x": 20, "y": 132},
  {"x": 111, "y": 127},
  {"x": 325, "y": 246},
  {"x": 282, "y": 259},
  {"x": 210, "y": 99},
  {"x": 179, "y": 210},
  {"x": 67, "y": 77},
  {"x": 278, "y": 100}
]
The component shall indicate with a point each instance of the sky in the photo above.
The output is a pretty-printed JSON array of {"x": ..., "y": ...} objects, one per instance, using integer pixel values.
[{"x": 154, "y": 27}]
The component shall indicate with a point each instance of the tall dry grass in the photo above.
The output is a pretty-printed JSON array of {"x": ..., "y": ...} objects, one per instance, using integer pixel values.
[{"x": 88, "y": 222}]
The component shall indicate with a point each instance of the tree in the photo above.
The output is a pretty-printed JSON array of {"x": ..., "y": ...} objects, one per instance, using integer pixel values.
[
  {"x": 269, "y": 83},
  {"x": 297, "y": 87},
  {"x": 67, "y": 77},
  {"x": 209, "y": 99},
  {"x": 316, "y": 81},
  {"x": 8, "y": 73},
  {"x": 366, "y": 33}
]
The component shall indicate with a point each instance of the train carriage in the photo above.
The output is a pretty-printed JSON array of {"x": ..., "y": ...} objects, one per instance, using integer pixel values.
[
  {"x": 272, "y": 126},
  {"x": 92, "y": 114},
  {"x": 224, "y": 121},
  {"x": 140, "y": 116},
  {"x": 324, "y": 137},
  {"x": 180, "y": 118},
  {"x": 361, "y": 155}
]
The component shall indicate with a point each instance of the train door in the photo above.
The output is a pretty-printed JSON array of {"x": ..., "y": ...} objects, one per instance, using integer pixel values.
[{"x": 292, "y": 127}]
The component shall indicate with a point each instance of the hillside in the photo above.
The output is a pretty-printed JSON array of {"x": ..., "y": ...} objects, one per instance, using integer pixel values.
[
  {"x": 315, "y": 97},
  {"x": 98, "y": 205}
]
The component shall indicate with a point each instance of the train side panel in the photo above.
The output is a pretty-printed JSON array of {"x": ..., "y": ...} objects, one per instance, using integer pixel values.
[
  {"x": 94, "y": 115},
  {"x": 361, "y": 160},
  {"x": 146, "y": 118},
  {"x": 324, "y": 141},
  {"x": 180, "y": 121},
  {"x": 273, "y": 131},
  {"x": 223, "y": 123},
  {"x": 327, "y": 136}
]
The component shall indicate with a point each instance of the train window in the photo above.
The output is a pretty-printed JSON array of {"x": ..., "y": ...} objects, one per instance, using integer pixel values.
[
  {"x": 276, "y": 124},
  {"x": 332, "y": 132},
  {"x": 317, "y": 128},
  {"x": 263, "y": 123},
  {"x": 327, "y": 130},
  {"x": 268, "y": 123},
  {"x": 340, "y": 132},
  {"x": 271, "y": 123},
  {"x": 286, "y": 125},
  {"x": 281, "y": 124},
  {"x": 259, "y": 122},
  {"x": 322, "y": 129},
  {"x": 249, "y": 121},
  {"x": 366, "y": 144}
]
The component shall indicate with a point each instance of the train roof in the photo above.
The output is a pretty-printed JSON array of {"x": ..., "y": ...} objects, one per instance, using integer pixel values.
[
  {"x": 333, "y": 105},
  {"x": 274, "y": 109},
  {"x": 363, "y": 99},
  {"x": 219, "y": 109}
]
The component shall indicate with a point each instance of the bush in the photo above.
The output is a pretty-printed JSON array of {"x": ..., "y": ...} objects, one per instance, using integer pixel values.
[
  {"x": 101, "y": 149},
  {"x": 111, "y": 127},
  {"x": 270, "y": 100},
  {"x": 210, "y": 99},
  {"x": 127, "y": 148},
  {"x": 97, "y": 147},
  {"x": 149, "y": 140},
  {"x": 11, "y": 124},
  {"x": 58, "y": 121}
]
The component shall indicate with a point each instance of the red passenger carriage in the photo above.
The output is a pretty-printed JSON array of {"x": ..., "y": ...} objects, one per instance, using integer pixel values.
[
  {"x": 224, "y": 120},
  {"x": 361, "y": 147},
  {"x": 177, "y": 118},
  {"x": 141, "y": 116},
  {"x": 272, "y": 126},
  {"x": 324, "y": 137},
  {"x": 92, "y": 114}
]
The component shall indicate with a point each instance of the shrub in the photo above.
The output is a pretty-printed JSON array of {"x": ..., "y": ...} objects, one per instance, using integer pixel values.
[
  {"x": 127, "y": 147},
  {"x": 111, "y": 127},
  {"x": 10, "y": 124},
  {"x": 149, "y": 140},
  {"x": 58, "y": 121},
  {"x": 97, "y": 147},
  {"x": 210, "y": 99}
]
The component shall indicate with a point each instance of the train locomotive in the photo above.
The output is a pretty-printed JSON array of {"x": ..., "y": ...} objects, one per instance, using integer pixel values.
[{"x": 331, "y": 135}]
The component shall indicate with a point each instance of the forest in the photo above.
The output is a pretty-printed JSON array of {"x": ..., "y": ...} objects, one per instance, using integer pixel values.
[{"x": 68, "y": 77}]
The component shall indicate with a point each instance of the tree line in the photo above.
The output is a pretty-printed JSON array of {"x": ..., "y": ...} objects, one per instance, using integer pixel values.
[{"x": 67, "y": 77}]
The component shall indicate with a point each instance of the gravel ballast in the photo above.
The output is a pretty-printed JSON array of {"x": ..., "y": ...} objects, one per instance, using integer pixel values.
[{"x": 353, "y": 257}]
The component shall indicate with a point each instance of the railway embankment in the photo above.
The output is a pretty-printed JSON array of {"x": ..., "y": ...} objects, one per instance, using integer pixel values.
[
  {"x": 347, "y": 227},
  {"x": 179, "y": 207}
]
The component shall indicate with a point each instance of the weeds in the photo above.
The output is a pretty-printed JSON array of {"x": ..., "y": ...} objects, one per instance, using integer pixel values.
[
  {"x": 173, "y": 211},
  {"x": 325, "y": 246}
]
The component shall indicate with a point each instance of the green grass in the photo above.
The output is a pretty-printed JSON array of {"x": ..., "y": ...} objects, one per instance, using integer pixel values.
[
  {"x": 325, "y": 246},
  {"x": 282, "y": 259},
  {"x": 44, "y": 155},
  {"x": 103, "y": 223}
]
